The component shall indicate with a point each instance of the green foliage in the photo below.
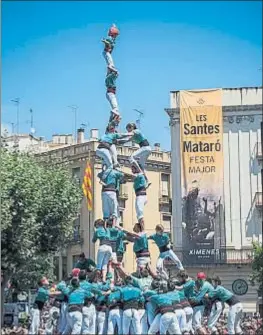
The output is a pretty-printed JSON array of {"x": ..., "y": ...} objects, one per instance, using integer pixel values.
[
  {"x": 38, "y": 204},
  {"x": 256, "y": 278}
]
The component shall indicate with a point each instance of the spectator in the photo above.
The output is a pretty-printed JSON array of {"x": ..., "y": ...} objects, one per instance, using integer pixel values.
[{"x": 85, "y": 263}]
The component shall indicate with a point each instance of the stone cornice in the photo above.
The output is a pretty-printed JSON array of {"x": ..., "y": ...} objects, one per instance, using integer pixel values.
[{"x": 236, "y": 113}]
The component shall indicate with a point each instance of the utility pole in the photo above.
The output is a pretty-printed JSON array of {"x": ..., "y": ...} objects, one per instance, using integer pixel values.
[
  {"x": 74, "y": 110},
  {"x": 17, "y": 102},
  {"x": 141, "y": 114}
]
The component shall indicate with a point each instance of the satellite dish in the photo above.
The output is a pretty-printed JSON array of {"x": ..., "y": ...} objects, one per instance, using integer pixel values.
[{"x": 32, "y": 130}]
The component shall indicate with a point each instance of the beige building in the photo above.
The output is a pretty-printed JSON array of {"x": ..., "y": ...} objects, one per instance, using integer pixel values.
[{"x": 158, "y": 208}]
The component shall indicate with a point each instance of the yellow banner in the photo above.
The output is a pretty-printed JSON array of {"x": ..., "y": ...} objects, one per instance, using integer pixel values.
[{"x": 201, "y": 128}]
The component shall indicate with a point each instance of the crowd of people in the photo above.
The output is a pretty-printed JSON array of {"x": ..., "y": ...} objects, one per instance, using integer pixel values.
[{"x": 140, "y": 303}]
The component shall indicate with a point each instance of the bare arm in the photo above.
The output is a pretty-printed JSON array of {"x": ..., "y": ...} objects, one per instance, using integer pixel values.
[{"x": 179, "y": 288}]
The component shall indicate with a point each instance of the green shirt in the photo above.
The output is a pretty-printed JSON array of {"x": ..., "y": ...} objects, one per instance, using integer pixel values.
[
  {"x": 220, "y": 293},
  {"x": 142, "y": 283},
  {"x": 110, "y": 80},
  {"x": 88, "y": 265},
  {"x": 42, "y": 294}
]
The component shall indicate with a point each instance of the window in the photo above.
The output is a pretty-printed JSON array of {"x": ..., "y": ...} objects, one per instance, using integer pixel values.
[
  {"x": 64, "y": 266},
  {"x": 75, "y": 259},
  {"x": 56, "y": 267},
  {"x": 122, "y": 203},
  {"x": 76, "y": 229},
  {"x": 165, "y": 185},
  {"x": 167, "y": 223},
  {"x": 121, "y": 215},
  {"x": 76, "y": 173}
]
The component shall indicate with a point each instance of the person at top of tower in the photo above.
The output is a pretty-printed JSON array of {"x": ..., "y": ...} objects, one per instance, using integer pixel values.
[
  {"x": 145, "y": 150},
  {"x": 109, "y": 43},
  {"x": 106, "y": 149}
]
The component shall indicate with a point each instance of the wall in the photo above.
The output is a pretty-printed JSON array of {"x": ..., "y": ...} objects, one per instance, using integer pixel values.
[{"x": 228, "y": 274}]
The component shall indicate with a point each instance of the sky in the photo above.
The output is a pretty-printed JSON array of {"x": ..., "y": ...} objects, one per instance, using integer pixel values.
[{"x": 52, "y": 58}]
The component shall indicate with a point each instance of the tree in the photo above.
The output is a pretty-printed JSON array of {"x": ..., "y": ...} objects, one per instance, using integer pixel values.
[
  {"x": 257, "y": 267},
  {"x": 38, "y": 205}
]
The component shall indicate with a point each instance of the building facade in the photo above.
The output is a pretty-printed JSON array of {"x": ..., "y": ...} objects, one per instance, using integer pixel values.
[
  {"x": 242, "y": 164},
  {"x": 158, "y": 209}
]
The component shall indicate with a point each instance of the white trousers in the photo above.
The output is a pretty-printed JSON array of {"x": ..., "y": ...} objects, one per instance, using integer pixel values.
[
  {"x": 216, "y": 310},
  {"x": 131, "y": 316},
  {"x": 111, "y": 97},
  {"x": 75, "y": 319},
  {"x": 140, "y": 202},
  {"x": 101, "y": 323},
  {"x": 143, "y": 322},
  {"x": 109, "y": 157},
  {"x": 109, "y": 60},
  {"x": 160, "y": 262},
  {"x": 234, "y": 317},
  {"x": 169, "y": 323},
  {"x": 154, "y": 324},
  {"x": 181, "y": 317},
  {"x": 142, "y": 262},
  {"x": 141, "y": 155},
  {"x": 197, "y": 317},
  {"x": 104, "y": 254},
  {"x": 89, "y": 320},
  {"x": 115, "y": 319},
  {"x": 109, "y": 204},
  {"x": 189, "y": 318},
  {"x": 35, "y": 321}
]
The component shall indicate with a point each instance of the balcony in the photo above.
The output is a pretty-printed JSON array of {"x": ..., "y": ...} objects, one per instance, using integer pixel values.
[
  {"x": 123, "y": 195},
  {"x": 242, "y": 256},
  {"x": 78, "y": 236},
  {"x": 226, "y": 256},
  {"x": 164, "y": 200}
]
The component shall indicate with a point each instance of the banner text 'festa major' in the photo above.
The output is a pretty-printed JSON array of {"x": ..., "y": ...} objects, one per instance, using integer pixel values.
[{"x": 201, "y": 128}]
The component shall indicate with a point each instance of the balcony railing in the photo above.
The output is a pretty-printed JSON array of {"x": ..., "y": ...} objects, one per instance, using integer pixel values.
[
  {"x": 164, "y": 199},
  {"x": 77, "y": 237},
  {"x": 228, "y": 256}
]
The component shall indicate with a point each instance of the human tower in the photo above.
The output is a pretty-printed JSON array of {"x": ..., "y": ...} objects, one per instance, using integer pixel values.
[
  {"x": 101, "y": 298},
  {"x": 111, "y": 177}
]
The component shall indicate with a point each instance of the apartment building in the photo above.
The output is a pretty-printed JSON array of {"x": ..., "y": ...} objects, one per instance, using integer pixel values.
[{"x": 157, "y": 210}]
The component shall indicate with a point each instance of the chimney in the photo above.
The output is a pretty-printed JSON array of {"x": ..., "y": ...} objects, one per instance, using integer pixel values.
[
  {"x": 157, "y": 146},
  {"x": 94, "y": 134},
  {"x": 80, "y": 135}
]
